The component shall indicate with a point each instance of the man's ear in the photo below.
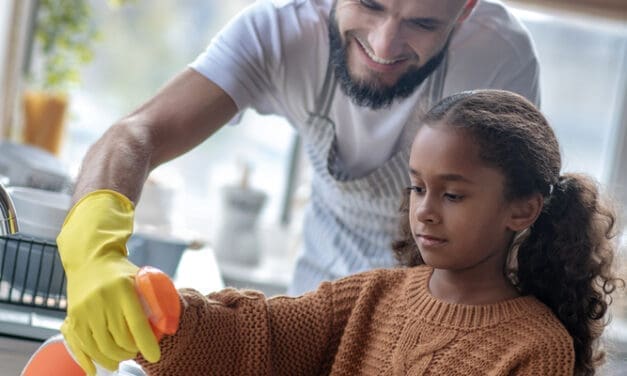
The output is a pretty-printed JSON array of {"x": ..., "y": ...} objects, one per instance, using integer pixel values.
[
  {"x": 525, "y": 211},
  {"x": 468, "y": 7}
]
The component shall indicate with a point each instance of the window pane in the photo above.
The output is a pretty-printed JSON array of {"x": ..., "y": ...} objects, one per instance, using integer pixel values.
[{"x": 580, "y": 62}]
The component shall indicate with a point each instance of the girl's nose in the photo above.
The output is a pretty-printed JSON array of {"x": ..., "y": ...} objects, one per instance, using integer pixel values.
[
  {"x": 386, "y": 40},
  {"x": 426, "y": 211}
]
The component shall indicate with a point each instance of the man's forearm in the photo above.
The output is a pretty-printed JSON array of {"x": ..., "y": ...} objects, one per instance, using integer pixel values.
[
  {"x": 120, "y": 161},
  {"x": 180, "y": 116}
]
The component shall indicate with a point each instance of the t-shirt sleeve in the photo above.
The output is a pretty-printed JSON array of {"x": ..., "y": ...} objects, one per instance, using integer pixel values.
[
  {"x": 493, "y": 51},
  {"x": 262, "y": 57},
  {"x": 241, "y": 58},
  {"x": 236, "y": 332}
]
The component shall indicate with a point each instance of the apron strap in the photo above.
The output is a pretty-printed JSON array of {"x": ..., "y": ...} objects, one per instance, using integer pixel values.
[{"x": 325, "y": 97}]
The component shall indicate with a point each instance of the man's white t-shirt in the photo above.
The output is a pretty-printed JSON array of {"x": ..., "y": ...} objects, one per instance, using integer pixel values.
[{"x": 273, "y": 58}]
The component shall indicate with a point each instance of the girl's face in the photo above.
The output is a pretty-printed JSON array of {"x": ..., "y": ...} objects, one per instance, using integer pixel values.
[{"x": 458, "y": 214}]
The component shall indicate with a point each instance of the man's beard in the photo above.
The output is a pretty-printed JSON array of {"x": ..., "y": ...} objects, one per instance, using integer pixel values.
[{"x": 374, "y": 95}]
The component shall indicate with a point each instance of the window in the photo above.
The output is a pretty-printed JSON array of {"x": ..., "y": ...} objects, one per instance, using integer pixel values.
[
  {"x": 583, "y": 64},
  {"x": 582, "y": 59},
  {"x": 142, "y": 45},
  {"x": 607, "y": 7}
]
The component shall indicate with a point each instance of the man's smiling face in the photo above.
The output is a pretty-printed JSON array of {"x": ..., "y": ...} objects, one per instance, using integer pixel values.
[{"x": 383, "y": 49}]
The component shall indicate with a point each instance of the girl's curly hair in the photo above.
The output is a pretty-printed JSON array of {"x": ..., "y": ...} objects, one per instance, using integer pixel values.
[{"x": 565, "y": 259}]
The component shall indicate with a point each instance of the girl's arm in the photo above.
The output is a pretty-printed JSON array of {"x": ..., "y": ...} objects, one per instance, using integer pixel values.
[
  {"x": 551, "y": 357},
  {"x": 234, "y": 332}
]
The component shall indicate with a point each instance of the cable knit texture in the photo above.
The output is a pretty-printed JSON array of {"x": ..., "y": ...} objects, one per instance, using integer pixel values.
[{"x": 381, "y": 322}]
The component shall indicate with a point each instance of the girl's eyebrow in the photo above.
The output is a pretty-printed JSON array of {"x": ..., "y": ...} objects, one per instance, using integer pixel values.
[{"x": 445, "y": 177}]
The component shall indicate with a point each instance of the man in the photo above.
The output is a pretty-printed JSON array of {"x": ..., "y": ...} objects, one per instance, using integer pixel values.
[{"x": 349, "y": 75}]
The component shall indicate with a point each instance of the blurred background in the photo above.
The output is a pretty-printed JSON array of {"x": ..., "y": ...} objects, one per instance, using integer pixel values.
[{"x": 120, "y": 52}]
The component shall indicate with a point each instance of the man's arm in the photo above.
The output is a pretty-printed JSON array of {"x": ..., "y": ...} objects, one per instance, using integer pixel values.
[
  {"x": 92, "y": 241},
  {"x": 185, "y": 112}
]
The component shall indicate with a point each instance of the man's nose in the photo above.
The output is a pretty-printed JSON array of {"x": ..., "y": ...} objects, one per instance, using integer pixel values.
[{"x": 386, "y": 40}]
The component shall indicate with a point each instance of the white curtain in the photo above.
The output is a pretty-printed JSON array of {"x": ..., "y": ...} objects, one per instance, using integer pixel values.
[{"x": 14, "y": 24}]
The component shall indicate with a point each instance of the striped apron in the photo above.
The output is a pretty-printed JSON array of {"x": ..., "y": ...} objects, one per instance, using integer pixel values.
[{"x": 350, "y": 224}]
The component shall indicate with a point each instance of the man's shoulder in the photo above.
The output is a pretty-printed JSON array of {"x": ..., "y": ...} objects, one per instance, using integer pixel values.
[
  {"x": 298, "y": 3},
  {"x": 319, "y": 8},
  {"x": 492, "y": 49},
  {"x": 299, "y": 21},
  {"x": 494, "y": 22},
  {"x": 492, "y": 11}
]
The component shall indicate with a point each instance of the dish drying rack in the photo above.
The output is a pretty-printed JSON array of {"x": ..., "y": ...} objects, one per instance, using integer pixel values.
[{"x": 33, "y": 298}]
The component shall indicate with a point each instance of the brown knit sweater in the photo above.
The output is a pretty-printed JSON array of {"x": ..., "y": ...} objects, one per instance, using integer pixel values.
[{"x": 382, "y": 322}]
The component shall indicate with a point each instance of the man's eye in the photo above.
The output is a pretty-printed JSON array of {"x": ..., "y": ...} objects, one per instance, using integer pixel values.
[
  {"x": 423, "y": 25},
  {"x": 370, "y": 4}
]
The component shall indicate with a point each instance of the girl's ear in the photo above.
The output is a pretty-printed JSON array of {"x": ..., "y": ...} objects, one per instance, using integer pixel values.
[
  {"x": 470, "y": 4},
  {"x": 525, "y": 211}
]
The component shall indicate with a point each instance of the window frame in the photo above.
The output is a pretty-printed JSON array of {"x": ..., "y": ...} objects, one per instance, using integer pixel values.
[{"x": 614, "y": 9}]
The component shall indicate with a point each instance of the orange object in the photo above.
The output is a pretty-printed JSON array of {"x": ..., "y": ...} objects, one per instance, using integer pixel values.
[
  {"x": 159, "y": 299},
  {"x": 52, "y": 358},
  {"x": 44, "y": 120},
  {"x": 160, "y": 302}
]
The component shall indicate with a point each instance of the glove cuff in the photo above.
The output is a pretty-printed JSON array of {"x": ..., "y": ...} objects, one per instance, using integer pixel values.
[
  {"x": 102, "y": 197},
  {"x": 99, "y": 223}
]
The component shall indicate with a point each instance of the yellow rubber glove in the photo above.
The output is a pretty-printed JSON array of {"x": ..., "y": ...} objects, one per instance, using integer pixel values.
[{"x": 105, "y": 321}]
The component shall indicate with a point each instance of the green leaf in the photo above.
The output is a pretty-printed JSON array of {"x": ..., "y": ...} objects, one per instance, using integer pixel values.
[{"x": 65, "y": 34}]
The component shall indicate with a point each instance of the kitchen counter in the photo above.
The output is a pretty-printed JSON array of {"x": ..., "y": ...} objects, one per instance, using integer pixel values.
[{"x": 14, "y": 354}]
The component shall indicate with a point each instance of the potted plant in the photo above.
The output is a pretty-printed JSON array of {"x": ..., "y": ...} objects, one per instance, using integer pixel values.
[{"x": 64, "y": 35}]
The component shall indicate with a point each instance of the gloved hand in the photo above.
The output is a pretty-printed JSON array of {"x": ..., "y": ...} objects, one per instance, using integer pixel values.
[{"x": 105, "y": 321}]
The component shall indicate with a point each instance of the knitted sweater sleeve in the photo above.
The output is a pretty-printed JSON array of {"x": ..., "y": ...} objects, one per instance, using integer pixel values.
[
  {"x": 554, "y": 355},
  {"x": 237, "y": 332}
]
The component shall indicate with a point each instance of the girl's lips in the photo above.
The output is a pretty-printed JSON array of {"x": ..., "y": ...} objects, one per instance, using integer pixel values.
[{"x": 430, "y": 241}]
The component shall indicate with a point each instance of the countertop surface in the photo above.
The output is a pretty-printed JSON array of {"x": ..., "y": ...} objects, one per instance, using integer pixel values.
[{"x": 14, "y": 354}]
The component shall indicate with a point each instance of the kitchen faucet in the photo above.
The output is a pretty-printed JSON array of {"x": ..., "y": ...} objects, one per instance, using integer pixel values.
[{"x": 8, "y": 218}]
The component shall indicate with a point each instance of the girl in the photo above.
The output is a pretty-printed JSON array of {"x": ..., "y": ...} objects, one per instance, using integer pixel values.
[{"x": 508, "y": 271}]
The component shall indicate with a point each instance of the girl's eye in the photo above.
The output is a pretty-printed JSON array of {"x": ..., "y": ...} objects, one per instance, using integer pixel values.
[
  {"x": 416, "y": 189},
  {"x": 453, "y": 197}
]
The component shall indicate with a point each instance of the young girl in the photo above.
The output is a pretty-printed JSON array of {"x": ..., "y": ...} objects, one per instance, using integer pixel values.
[{"x": 508, "y": 271}]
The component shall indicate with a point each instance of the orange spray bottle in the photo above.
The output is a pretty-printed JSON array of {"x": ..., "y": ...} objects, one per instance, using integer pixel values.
[{"x": 160, "y": 302}]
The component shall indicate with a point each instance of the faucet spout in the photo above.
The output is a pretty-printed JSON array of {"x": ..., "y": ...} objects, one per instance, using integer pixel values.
[{"x": 8, "y": 218}]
